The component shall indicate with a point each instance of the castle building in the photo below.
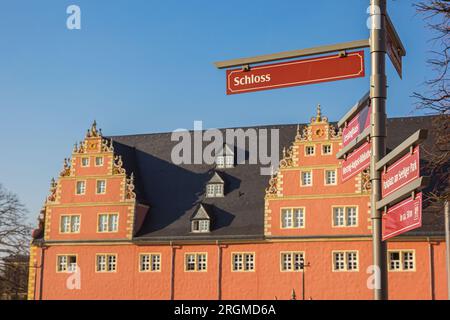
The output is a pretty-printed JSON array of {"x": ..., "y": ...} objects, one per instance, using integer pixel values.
[{"x": 122, "y": 221}]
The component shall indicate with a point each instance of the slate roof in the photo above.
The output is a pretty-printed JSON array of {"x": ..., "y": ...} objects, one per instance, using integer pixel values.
[{"x": 175, "y": 191}]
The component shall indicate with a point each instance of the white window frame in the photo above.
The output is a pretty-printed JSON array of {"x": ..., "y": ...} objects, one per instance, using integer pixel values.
[
  {"x": 100, "y": 189},
  {"x": 150, "y": 262},
  {"x": 70, "y": 223},
  {"x": 326, "y": 182},
  {"x": 63, "y": 264},
  {"x": 198, "y": 259},
  {"x": 302, "y": 182},
  {"x": 102, "y": 161},
  {"x": 290, "y": 261},
  {"x": 327, "y": 153},
  {"x": 243, "y": 262},
  {"x": 346, "y": 261},
  {"x": 293, "y": 218},
  {"x": 214, "y": 190},
  {"x": 110, "y": 225},
  {"x": 80, "y": 191},
  {"x": 401, "y": 262},
  {"x": 310, "y": 147},
  {"x": 83, "y": 164},
  {"x": 345, "y": 219},
  {"x": 106, "y": 262},
  {"x": 200, "y": 226}
]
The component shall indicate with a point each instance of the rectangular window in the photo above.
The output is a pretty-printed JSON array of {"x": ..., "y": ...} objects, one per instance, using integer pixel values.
[
  {"x": 229, "y": 161},
  {"x": 401, "y": 261},
  {"x": 214, "y": 190},
  {"x": 292, "y": 218},
  {"x": 306, "y": 178},
  {"x": 196, "y": 262},
  {"x": 108, "y": 222},
  {"x": 243, "y": 261},
  {"x": 67, "y": 263},
  {"x": 220, "y": 162},
  {"x": 81, "y": 187},
  {"x": 150, "y": 262},
  {"x": 345, "y": 216},
  {"x": 106, "y": 263},
  {"x": 101, "y": 186},
  {"x": 98, "y": 161},
  {"x": 292, "y": 261},
  {"x": 70, "y": 224},
  {"x": 326, "y": 149},
  {"x": 330, "y": 177},
  {"x": 309, "y": 150},
  {"x": 345, "y": 261},
  {"x": 85, "y": 162}
]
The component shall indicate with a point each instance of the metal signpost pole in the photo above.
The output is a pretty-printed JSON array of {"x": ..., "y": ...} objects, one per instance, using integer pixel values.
[{"x": 378, "y": 94}]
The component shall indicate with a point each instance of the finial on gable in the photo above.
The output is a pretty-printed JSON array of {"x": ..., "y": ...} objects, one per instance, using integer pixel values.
[
  {"x": 319, "y": 113},
  {"x": 93, "y": 132}
]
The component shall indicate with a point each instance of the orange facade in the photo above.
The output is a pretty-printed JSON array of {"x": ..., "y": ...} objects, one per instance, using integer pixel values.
[{"x": 308, "y": 211}]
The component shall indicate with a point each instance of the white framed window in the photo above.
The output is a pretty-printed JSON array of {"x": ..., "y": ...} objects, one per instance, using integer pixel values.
[
  {"x": 66, "y": 263},
  {"x": 243, "y": 262},
  {"x": 292, "y": 218},
  {"x": 70, "y": 224},
  {"x": 401, "y": 260},
  {"x": 345, "y": 216},
  {"x": 309, "y": 150},
  {"x": 101, "y": 187},
  {"x": 291, "y": 261},
  {"x": 196, "y": 262},
  {"x": 108, "y": 222},
  {"x": 150, "y": 262},
  {"x": 85, "y": 162},
  {"x": 80, "y": 187},
  {"x": 106, "y": 262},
  {"x": 345, "y": 261},
  {"x": 229, "y": 161},
  {"x": 327, "y": 149},
  {"x": 220, "y": 162},
  {"x": 330, "y": 177},
  {"x": 306, "y": 178},
  {"x": 99, "y": 161},
  {"x": 214, "y": 190},
  {"x": 200, "y": 226}
]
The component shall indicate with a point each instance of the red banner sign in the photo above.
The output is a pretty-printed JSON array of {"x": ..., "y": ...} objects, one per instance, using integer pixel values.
[
  {"x": 356, "y": 126},
  {"x": 296, "y": 73},
  {"x": 401, "y": 173},
  {"x": 356, "y": 162},
  {"x": 403, "y": 217}
]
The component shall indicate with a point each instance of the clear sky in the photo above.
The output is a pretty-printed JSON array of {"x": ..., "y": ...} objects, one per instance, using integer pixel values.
[{"x": 140, "y": 66}]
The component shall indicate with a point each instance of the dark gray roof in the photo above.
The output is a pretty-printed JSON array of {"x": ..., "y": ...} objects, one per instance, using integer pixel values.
[{"x": 175, "y": 191}]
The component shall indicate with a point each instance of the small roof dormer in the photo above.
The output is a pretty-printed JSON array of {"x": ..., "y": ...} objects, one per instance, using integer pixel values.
[
  {"x": 201, "y": 220},
  {"x": 225, "y": 157},
  {"x": 215, "y": 186}
]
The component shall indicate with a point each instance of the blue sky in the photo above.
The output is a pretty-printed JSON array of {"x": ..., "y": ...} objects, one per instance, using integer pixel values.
[{"x": 145, "y": 66}]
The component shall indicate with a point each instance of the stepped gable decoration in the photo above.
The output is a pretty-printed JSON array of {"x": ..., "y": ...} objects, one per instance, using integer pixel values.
[
  {"x": 53, "y": 188},
  {"x": 318, "y": 128},
  {"x": 129, "y": 188}
]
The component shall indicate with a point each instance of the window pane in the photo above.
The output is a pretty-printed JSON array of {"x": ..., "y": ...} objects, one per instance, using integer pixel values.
[
  {"x": 249, "y": 262},
  {"x": 72, "y": 264},
  {"x": 145, "y": 262},
  {"x": 112, "y": 263},
  {"x": 65, "y": 224},
  {"x": 75, "y": 224},
  {"x": 238, "y": 262},
  {"x": 408, "y": 260},
  {"x": 298, "y": 218},
  {"x": 113, "y": 222},
  {"x": 190, "y": 262},
  {"x": 201, "y": 260},
  {"x": 156, "y": 262},
  {"x": 103, "y": 223},
  {"x": 99, "y": 161},
  {"x": 338, "y": 217},
  {"x": 62, "y": 263},
  {"x": 394, "y": 260},
  {"x": 297, "y": 261},
  {"x": 352, "y": 261},
  {"x": 101, "y": 186},
  {"x": 101, "y": 263},
  {"x": 352, "y": 219},
  {"x": 339, "y": 261},
  {"x": 81, "y": 187}
]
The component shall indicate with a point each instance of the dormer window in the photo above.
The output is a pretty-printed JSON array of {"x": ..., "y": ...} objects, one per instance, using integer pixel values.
[
  {"x": 201, "y": 221},
  {"x": 215, "y": 186},
  {"x": 225, "y": 157}
]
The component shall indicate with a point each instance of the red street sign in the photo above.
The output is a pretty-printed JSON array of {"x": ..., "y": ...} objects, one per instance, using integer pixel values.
[
  {"x": 401, "y": 173},
  {"x": 403, "y": 217},
  {"x": 356, "y": 126},
  {"x": 296, "y": 73},
  {"x": 356, "y": 162}
]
